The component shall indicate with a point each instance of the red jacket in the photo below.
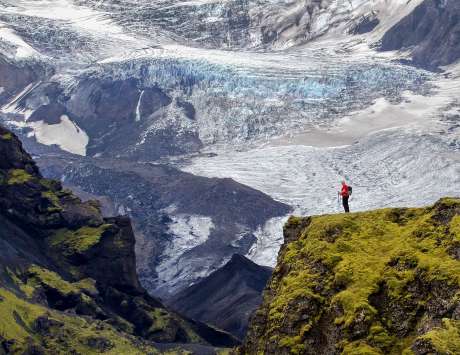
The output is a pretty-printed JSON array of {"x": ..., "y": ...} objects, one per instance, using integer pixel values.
[{"x": 344, "y": 192}]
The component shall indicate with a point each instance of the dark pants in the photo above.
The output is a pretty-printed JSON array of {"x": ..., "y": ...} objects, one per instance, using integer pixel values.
[{"x": 345, "y": 204}]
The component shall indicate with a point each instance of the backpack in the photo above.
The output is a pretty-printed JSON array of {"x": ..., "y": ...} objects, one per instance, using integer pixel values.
[{"x": 350, "y": 190}]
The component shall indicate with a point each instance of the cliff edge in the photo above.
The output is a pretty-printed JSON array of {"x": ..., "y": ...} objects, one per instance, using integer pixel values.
[{"x": 378, "y": 282}]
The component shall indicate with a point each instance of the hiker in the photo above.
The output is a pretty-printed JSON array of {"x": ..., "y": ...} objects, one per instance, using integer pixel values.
[{"x": 345, "y": 192}]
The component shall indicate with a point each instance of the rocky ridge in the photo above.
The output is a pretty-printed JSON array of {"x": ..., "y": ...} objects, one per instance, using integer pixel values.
[
  {"x": 68, "y": 280},
  {"x": 227, "y": 297}
]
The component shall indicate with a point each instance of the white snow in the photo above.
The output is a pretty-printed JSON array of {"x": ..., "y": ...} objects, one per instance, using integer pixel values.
[
  {"x": 23, "y": 49},
  {"x": 413, "y": 110},
  {"x": 269, "y": 240},
  {"x": 138, "y": 107},
  {"x": 66, "y": 134},
  {"x": 193, "y": 230},
  {"x": 64, "y": 10},
  {"x": 189, "y": 232},
  {"x": 109, "y": 37}
]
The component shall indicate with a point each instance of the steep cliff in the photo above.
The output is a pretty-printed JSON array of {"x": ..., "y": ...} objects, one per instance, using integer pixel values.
[
  {"x": 380, "y": 282},
  {"x": 68, "y": 281}
]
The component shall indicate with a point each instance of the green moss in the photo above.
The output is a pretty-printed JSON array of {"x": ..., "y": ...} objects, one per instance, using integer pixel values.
[
  {"x": 339, "y": 261},
  {"x": 294, "y": 344},
  {"x": 455, "y": 229},
  {"x": 163, "y": 321},
  {"x": 55, "y": 204},
  {"x": 446, "y": 339},
  {"x": 161, "y": 318},
  {"x": 359, "y": 348},
  {"x": 177, "y": 351},
  {"x": 67, "y": 333},
  {"x": 379, "y": 336},
  {"x": 294, "y": 286},
  {"x": 18, "y": 176},
  {"x": 192, "y": 336},
  {"x": 38, "y": 276},
  {"x": 369, "y": 244},
  {"x": 16, "y": 316},
  {"x": 50, "y": 184},
  {"x": 28, "y": 290},
  {"x": 7, "y": 136},
  {"x": 88, "y": 285},
  {"x": 293, "y": 222},
  {"x": 76, "y": 242},
  {"x": 449, "y": 202}
]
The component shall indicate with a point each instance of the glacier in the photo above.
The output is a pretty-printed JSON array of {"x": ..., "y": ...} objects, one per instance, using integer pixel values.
[{"x": 410, "y": 160}]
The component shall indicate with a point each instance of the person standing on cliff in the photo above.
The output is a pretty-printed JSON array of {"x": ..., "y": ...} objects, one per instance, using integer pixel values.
[{"x": 345, "y": 193}]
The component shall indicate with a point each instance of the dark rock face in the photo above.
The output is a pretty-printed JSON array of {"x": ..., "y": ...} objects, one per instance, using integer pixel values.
[
  {"x": 152, "y": 100},
  {"x": 227, "y": 297},
  {"x": 431, "y": 31},
  {"x": 59, "y": 254},
  {"x": 377, "y": 282},
  {"x": 116, "y": 113},
  {"x": 50, "y": 113},
  {"x": 365, "y": 24},
  {"x": 188, "y": 108}
]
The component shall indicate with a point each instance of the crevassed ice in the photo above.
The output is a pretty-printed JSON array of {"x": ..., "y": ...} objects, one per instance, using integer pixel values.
[{"x": 235, "y": 104}]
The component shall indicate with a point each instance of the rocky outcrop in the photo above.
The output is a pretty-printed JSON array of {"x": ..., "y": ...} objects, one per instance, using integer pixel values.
[
  {"x": 431, "y": 32},
  {"x": 379, "y": 282},
  {"x": 68, "y": 278},
  {"x": 227, "y": 297}
]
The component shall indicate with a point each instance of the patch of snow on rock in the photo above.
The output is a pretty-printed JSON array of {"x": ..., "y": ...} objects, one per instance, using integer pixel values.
[{"x": 66, "y": 134}]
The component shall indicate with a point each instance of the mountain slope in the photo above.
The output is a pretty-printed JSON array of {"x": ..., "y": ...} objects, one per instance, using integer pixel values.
[
  {"x": 378, "y": 282},
  {"x": 431, "y": 32},
  {"x": 227, "y": 297},
  {"x": 68, "y": 278},
  {"x": 186, "y": 226}
]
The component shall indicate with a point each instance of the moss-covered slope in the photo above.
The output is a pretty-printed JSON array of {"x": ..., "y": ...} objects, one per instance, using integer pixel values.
[
  {"x": 68, "y": 282},
  {"x": 380, "y": 282}
]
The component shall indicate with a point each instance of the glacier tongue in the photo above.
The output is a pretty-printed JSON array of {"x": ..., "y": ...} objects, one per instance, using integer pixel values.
[
  {"x": 405, "y": 154},
  {"x": 238, "y": 97},
  {"x": 391, "y": 168}
]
